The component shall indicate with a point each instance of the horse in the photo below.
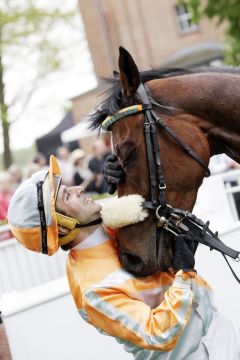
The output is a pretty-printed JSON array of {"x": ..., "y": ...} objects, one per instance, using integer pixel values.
[{"x": 200, "y": 109}]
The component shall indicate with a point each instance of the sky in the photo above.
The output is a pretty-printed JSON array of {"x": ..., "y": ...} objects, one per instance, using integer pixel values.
[{"x": 51, "y": 99}]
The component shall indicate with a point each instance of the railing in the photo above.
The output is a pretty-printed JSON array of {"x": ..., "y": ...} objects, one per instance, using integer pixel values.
[
  {"x": 232, "y": 187},
  {"x": 21, "y": 269}
]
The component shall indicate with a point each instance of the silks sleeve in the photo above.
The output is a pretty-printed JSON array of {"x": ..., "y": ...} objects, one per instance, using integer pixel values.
[{"x": 116, "y": 313}]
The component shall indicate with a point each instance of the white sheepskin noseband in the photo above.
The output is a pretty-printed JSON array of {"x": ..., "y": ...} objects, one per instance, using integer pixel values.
[{"x": 123, "y": 211}]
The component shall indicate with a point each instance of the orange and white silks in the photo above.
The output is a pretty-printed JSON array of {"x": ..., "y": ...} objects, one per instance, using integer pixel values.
[{"x": 157, "y": 317}]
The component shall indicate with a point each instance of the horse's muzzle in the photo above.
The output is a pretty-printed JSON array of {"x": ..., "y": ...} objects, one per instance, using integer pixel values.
[
  {"x": 164, "y": 250},
  {"x": 160, "y": 260},
  {"x": 135, "y": 265}
]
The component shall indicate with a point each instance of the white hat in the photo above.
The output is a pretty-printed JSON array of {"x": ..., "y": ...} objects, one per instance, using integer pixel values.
[{"x": 77, "y": 155}]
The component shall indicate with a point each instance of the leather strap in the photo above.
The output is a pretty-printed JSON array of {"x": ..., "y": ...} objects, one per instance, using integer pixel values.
[
  {"x": 189, "y": 222},
  {"x": 231, "y": 269},
  {"x": 153, "y": 151},
  {"x": 185, "y": 147},
  {"x": 91, "y": 223},
  {"x": 202, "y": 234},
  {"x": 43, "y": 223}
]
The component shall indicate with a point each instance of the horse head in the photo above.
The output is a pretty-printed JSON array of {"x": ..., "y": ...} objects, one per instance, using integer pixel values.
[{"x": 144, "y": 248}]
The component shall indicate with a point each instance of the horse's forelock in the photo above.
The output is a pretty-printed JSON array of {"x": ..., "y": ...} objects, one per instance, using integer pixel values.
[{"x": 108, "y": 106}]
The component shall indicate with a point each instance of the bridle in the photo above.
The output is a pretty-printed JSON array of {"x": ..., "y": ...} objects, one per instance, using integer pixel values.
[{"x": 173, "y": 220}]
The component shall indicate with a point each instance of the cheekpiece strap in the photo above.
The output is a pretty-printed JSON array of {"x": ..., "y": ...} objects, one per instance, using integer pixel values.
[{"x": 43, "y": 223}]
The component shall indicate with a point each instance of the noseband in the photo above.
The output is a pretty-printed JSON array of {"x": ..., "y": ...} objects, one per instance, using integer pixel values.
[{"x": 173, "y": 220}]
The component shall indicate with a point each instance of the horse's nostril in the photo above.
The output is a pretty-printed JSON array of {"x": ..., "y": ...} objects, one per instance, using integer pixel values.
[
  {"x": 133, "y": 264},
  {"x": 132, "y": 260},
  {"x": 136, "y": 266}
]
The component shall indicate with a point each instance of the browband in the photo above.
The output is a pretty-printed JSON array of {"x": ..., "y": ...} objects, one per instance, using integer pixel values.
[{"x": 111, "y": 119}]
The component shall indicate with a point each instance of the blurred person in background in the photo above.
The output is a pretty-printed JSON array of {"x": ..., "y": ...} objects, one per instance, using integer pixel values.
[
  {"x": 30, "y": 169},
  {"x": 82, "y": 175},
  {"x": 40, "y": 160},
  {"x": 65, "y": 163},
  {"x": 96, "y": 164},
  {"x": 6, "y": 192},
  {"x": 37, "y": 162},
  {"x": 15, "y": 171}
]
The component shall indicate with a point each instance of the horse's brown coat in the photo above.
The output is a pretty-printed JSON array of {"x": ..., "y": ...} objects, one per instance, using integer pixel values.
[{"x": 204, "y": 112}]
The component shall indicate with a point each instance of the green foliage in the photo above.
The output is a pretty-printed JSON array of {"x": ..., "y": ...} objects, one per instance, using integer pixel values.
[
  {"x": 25, "y": 24},
  {"x": 29, "y": 30},
  {"x": 21, "y": 157},
  {"x": 227, "y": 12}
]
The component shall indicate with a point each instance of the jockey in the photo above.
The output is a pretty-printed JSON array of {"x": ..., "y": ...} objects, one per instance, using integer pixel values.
[{"x": 166, "y": 316}]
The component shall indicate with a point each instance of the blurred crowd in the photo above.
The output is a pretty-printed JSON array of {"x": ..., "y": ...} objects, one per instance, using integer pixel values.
[{"x": 77, "y": 168}]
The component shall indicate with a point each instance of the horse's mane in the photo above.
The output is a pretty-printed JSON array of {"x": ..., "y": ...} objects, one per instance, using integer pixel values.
[{"x": 110, "y": 104}]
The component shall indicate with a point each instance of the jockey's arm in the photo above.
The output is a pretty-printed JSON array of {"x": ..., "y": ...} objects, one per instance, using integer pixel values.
[{"x": 113, "y": 311}]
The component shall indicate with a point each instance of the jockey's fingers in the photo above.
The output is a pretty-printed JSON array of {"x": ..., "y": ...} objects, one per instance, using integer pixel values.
[
  {"x": 112, "y": 180},
  {"x": 114, "y": 173},
  {"x": 113, "y": 166},
  {"x": 185, "y": 240},
  {"x": 111, "y": 157}
]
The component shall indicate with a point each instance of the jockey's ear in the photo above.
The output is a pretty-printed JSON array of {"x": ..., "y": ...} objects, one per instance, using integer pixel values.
[{"x": 129, "y": 74}]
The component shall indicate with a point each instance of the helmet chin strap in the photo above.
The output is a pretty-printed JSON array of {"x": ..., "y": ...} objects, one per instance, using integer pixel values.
[{"x": 73, "y": 225}]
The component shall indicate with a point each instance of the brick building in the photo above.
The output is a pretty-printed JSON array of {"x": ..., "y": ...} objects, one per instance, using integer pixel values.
[{"x": 156, "y": 32}]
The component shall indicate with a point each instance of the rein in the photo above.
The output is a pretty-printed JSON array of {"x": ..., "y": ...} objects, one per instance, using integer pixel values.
[{"x": 173, "y": 220}]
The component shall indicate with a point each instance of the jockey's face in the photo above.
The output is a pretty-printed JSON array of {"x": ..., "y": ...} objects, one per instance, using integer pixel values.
[{"x": 72, "y": 201}]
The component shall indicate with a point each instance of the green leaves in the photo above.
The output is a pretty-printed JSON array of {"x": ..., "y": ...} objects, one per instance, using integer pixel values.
[
  {"x": 22, "y": 22},
  {"x": 227, "y": 12},
  {"x": 35, "y": 35},
  {"x": 195, "y": 7}
]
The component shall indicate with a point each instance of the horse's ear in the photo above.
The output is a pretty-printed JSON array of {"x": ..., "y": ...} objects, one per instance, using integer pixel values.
[{"x": 129, "y": 74}]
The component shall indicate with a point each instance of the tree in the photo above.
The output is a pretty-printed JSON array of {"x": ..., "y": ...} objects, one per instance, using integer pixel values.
[
  {"x": 27, "y": 29},
  {"x": 225, "y": 11}
]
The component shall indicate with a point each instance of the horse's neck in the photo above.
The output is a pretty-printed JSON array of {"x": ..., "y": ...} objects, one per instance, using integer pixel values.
[{"x": 212, "y": 97}]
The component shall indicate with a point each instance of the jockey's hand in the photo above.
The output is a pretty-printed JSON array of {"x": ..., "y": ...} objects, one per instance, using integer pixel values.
[
  {"x": 113, "y": 172},
  {"x": 184, "y": 253}
]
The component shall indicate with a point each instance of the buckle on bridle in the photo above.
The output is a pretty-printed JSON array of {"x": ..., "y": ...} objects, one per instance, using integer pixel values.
[
  {"x": 158, "y": 208},
  {"x": 167, "y": 228},
  {"x": 162, "y": 220},
  {"x": 163, "y": 187}
]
